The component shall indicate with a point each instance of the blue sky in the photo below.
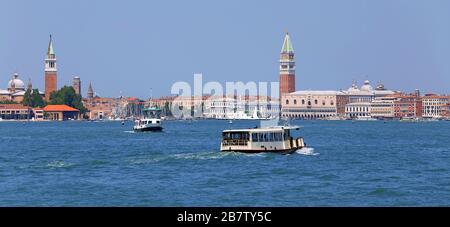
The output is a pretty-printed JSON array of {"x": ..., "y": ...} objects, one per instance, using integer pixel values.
[{"x": 135, "y": 46}]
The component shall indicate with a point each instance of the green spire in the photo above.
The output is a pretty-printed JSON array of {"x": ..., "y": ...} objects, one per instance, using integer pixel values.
[
  {"x": 287, "y": 45},
  {"x": 50, "y": 47}
]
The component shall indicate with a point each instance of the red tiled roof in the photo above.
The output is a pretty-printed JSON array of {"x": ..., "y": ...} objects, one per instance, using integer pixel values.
[
  {"x": 59, "y": 108},
  {"x": 13, "y": 106}
]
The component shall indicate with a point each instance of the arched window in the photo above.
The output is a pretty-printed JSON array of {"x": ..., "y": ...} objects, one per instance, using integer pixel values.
[
  {"x": 287, "y": 102},
  {"x": 315, "y": 101},
  {"x": 332, "y": 103},
  {"x": 303, "y": 102},
  {"x": 309, "y": 103},
  {"x": 295, "y": 101},
  {"x": 323, "y": 103}
]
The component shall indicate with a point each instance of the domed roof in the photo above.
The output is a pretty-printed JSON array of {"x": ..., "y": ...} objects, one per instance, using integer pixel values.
[
  {"x": 18, "y": 84},
  {"x": 353, "y": 88},
  {"x": 366, "y": 86}
]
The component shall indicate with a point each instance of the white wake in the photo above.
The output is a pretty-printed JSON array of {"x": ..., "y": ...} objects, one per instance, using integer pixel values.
[{"x": 307, "y": 151}]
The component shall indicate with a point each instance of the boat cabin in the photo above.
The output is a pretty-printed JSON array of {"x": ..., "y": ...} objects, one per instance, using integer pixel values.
[{"x": 273, "y": 139}]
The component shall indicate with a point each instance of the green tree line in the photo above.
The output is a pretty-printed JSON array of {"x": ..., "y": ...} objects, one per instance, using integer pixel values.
[{"x": 64, "y": 96}]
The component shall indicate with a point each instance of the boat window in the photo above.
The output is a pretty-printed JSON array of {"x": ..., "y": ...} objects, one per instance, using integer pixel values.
[
  {"x": 236, "y": 136},
  {"x": 226, "y": 135},
  {"x": 261, "y": 137},
  {"x": 266, "y": 137},
  {"x": 277, "y": 136},
  {"x": 254, "y": 137}
]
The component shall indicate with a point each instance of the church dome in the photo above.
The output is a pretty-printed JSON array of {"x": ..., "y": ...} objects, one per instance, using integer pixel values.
[
  {"x": 353, "y": 88},
  {"x": 366, "y": 86},
  {"x": 16, "y": 82}
]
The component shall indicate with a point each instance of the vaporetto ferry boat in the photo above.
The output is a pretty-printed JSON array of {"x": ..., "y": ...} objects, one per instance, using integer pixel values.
[
  {"x": 275, "y": 139},
  {"x": 150, "y": 122}
]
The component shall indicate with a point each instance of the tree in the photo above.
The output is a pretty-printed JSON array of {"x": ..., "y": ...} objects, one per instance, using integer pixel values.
[
  {"x": 67, "y": 96},
  {"x": 33, "y": 99}
]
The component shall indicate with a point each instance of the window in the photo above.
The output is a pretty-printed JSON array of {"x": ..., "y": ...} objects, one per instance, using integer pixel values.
[
  {"x": 323, "y": 103},
  {"x": 332, "y": 103},
  {"x": 254, "y": 137},
  {"x": 287, "y": 102},
  {"x": 303, "y": 101},
  {"x": 295, "y": 101},
  {"x": 315, "y": 101},
  {"x": 309, "y": 103}
]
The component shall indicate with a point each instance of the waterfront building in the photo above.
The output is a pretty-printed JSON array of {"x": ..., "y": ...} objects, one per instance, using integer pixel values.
[
  {"x": 434, "y": 105},
  {"x": 383, "y": 107},
  {"x": 76, "y": 84},
  {"x": 407, "y": 106},
  {"x": 100, "y": 108},
  {"x": 16, "y": 90},
  {"x": 221, "y": 108},
  {"x": 189, "y": 106},
  {"x": 51, "y": 79},
  {"x": 38, "y": 114},
  {"x": 366, "y": 93},
  {"x": 238, "y": 107},
  {"x": 61, "y": 113},
  {"x": 133, "y": 107},
  {"x": 358, "y": 110},
  {"x": 15, "y": 112},
  {"x": 314, "y": 104},
  {"x": 264, "y": 106},
  {"x": 287, "y": 67},
  {"x": 446, "y": 111}
]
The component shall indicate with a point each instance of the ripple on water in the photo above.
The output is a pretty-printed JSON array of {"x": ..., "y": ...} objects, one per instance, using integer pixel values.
[
  {"x": 180, "y": 156},
  {"x": 59, "y": 164}
]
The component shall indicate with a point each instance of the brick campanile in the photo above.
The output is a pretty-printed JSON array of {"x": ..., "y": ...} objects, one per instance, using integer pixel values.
[
  {"x": 287, "y": 67},
  {"x": 51, "y": 78}
]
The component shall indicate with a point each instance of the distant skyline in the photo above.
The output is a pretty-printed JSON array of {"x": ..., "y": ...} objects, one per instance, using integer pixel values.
[{"x": 143, "y": 47}]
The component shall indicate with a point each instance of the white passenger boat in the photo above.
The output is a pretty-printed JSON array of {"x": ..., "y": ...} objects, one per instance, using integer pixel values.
[
  {"x": 365, "y": 118},
  {"x": 275, "y": 139},
  {"x": 150, "y": 122}
]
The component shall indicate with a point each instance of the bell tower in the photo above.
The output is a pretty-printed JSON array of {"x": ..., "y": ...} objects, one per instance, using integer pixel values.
[
  {"x": 50, "y": 71},
  {"x": 287, "y": 67}
]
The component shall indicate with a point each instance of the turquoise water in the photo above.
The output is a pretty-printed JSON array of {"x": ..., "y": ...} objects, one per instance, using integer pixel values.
[{"x": 106, "y": 164}]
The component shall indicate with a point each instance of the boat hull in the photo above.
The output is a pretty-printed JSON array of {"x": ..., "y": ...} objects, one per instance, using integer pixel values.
[
  {"x": 287, "y": 151},
  {"x": 149, "y": 129}
]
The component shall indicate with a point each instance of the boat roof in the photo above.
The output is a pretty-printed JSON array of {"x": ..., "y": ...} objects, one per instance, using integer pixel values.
[{"x": 266, "y": 129}]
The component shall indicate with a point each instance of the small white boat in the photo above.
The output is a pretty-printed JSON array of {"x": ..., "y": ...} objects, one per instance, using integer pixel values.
[
  {"x": 365, "y": 118},
  {"x": 275, "y": 139},
  {"x": 150, "y": 122}
]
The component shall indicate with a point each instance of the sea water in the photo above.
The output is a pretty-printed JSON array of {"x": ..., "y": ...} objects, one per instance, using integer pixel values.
[{"x": 346, "y": 163}]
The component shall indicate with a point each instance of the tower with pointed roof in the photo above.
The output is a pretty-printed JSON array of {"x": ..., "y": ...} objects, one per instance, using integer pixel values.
[
  {"x": 51, "y": 79},
  {"x": 90, "y": 92},
  {"x": 287, "y": 67}
]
